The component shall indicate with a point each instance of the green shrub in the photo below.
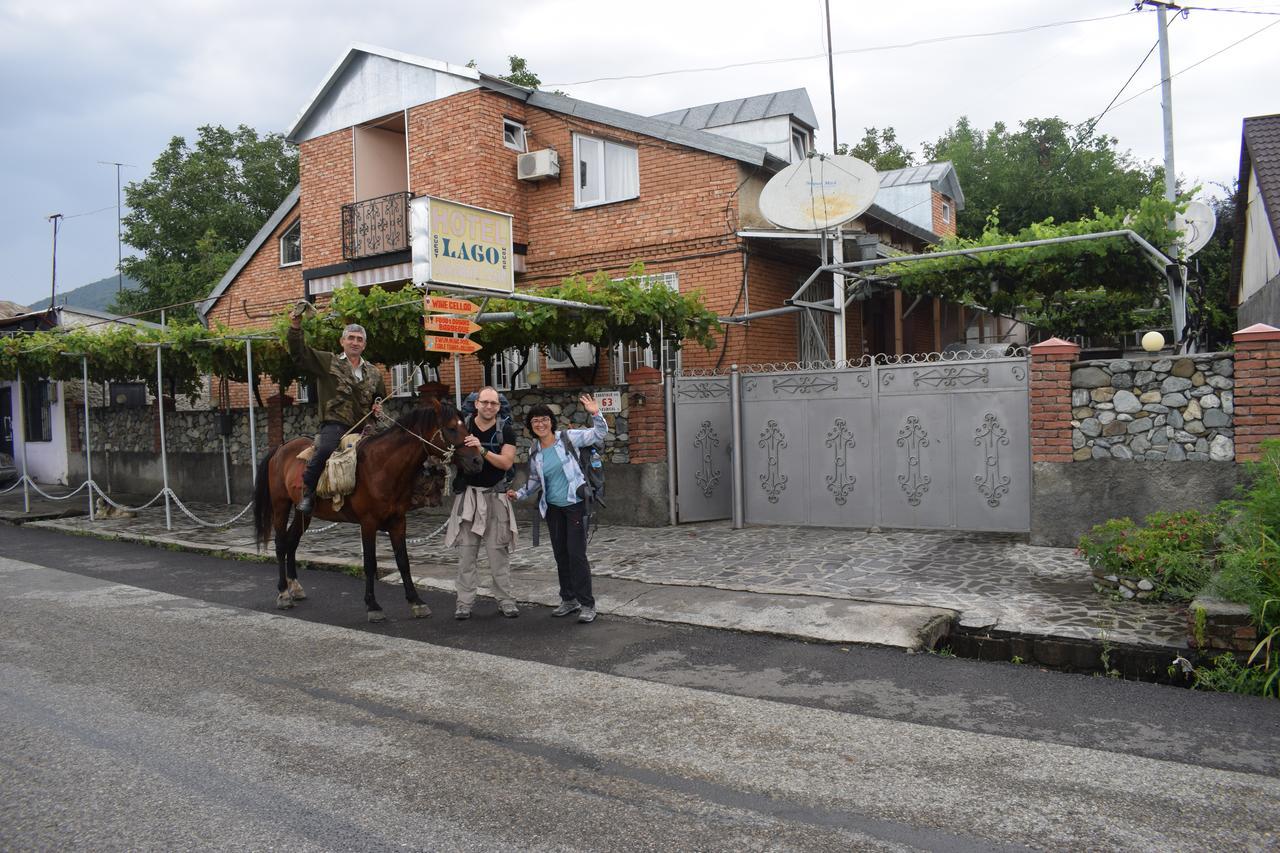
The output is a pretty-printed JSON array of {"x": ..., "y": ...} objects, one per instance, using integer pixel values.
[{"x": 1174, "y": 550}]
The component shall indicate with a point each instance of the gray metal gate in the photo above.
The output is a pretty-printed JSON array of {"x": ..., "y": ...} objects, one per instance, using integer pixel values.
[{"x": 934, "y": 444}]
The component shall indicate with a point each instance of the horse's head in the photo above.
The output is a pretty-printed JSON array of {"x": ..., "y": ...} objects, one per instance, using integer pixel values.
[{"x": 452, "y": 429}]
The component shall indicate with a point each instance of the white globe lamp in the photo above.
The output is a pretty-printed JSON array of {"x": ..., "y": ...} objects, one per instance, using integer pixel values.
[{"x": 1153, "y": 342}]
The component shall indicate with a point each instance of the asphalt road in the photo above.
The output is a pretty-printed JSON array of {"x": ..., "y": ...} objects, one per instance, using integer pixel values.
[{"x": 153, "y": 699}]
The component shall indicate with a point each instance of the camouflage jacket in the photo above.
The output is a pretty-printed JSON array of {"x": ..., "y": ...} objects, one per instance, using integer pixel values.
[{"x": 343, "y": 398}]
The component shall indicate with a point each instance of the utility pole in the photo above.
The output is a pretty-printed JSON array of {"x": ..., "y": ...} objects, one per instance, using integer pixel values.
[
  {"x": 119, "y": 224},
  {"x": 1176, "y": 273},
  {"x": 831, "y": 77},
  {"x": 55, "y": 218}
]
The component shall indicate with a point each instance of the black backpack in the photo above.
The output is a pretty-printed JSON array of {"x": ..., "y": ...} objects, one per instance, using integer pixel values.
[
  {"x": 592, "y": 491},
  {"x": 494, "y": 445}
]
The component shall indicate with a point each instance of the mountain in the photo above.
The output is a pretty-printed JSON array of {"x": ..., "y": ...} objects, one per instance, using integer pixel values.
[{"x": 97, "y": 296}]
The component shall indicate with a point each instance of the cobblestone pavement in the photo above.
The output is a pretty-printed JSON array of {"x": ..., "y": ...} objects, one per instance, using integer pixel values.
[{"x": 992, "y": 581}]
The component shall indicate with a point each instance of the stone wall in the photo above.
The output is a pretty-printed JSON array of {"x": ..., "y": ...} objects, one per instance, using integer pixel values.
[{"x": 1154, "y": 409}]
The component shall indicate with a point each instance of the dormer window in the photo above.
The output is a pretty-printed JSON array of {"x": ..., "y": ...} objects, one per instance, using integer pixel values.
[
  {"x": 291, "y": 245},
  {"x": 799, "y": 145},
  {"x": 946, "y": 212},
  {"x": 513, "y": 135}
]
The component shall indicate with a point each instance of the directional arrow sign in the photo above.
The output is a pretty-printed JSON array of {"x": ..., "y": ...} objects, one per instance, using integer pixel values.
[
  {"x": 449, "y": 306},
  {"x": 459, "y": 325},
  {"x": 462, "y": 345}
]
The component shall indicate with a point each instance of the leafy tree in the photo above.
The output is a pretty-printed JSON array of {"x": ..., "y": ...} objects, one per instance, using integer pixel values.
[
  {"x": 1046, "y": 169},
  {"x": 520, "y": 73},
  {"x": 881, "y": 149},
  {"x": 1208, "y": 304},
  {"x": 197, "y": 210}
]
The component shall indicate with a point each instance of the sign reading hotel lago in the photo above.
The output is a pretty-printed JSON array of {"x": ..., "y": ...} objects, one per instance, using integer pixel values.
[{"x": 456, "y": 244}]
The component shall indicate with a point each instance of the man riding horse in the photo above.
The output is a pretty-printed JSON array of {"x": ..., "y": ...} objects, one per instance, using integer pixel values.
[{"x": 348, "y": 387}]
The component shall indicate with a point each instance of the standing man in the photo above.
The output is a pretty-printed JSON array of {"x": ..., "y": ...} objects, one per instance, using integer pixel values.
[
  {"x": 481, "y": 512},
  {"x": 348, "y": 387}
]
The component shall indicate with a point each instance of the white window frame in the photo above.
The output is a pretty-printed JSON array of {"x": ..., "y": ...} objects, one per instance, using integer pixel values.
[
  {"x": 514, "y": 135},
  {"x": 295, "y": 227},
  {"x": 799, "y": 144},
  {"x": 405, "y": 379},
  {"x": 627, "y": 357},
  {"x": 502, "y": 365},
  {"x": 604, "y": 150},
  {"x": 946, "y": 212}
]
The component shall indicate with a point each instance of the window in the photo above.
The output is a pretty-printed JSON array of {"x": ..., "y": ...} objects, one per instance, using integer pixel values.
[
  {"x": 513, "y": 135},
  {"x": 506, "y": 373},
  {"x": 36, "y": 399},
  {"x": 631, "y": 356},
  {"x": 799, "y": 145},
  {"x": 291, "y": 245},
  {"x": 946, "y": 211},
  {"x": 405, "y": 379},
  {"x": 603, "y": 171}
]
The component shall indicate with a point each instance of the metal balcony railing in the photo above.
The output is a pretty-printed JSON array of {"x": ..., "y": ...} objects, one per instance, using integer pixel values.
[{"x": 375, "y": 226}]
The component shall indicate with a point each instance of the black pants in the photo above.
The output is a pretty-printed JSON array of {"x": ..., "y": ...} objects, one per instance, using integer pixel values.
[
  {"x": 568, "y": 536},
  {"x": 326, "y": 443}
]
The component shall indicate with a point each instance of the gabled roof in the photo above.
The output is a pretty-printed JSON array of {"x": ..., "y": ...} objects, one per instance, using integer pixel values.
[
  {"x": 941, "y": 176},
  {"x": 793, "y": 102},
  {"x": 1260, "y": 155},
  {"x": 289, "y": 203}
]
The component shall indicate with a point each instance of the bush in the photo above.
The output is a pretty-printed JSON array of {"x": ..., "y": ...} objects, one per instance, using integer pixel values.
[{"x": 1174, "y": 550}]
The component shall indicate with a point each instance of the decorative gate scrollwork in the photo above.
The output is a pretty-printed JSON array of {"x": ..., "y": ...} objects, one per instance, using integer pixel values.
[
  {"x": 841, "y": 482},
  {"x": 773, "y": 441},
  {"x": 991, "y": 484},
  {"x": 913, "y": 437},
  {"x": 708, "y": 476}
]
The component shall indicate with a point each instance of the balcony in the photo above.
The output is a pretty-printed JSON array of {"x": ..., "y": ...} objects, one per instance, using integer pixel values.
[{"x": 376, "y": 226}]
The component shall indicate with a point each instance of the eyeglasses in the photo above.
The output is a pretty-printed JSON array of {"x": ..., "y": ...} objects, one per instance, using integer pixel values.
[
  {"x": 540, "y": 419},
  {"x": 486, "y": 402}
]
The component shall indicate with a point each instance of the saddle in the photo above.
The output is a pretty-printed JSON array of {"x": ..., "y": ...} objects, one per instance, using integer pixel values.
[{"x": 339, "y": 477}]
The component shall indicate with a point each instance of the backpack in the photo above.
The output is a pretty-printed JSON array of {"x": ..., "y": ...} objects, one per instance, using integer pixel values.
[
  {"x": 592, "y": 491},
  {"x": 494, "y": 444}
]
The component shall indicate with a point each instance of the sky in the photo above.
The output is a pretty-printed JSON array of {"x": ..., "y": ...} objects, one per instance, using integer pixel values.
[{"x": 84, "y": 81}]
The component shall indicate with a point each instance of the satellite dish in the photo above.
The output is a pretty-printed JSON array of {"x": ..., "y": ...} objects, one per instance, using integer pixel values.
[
  {"x": 1196, "y": 227},
  {"x": 819, "y": 192}
]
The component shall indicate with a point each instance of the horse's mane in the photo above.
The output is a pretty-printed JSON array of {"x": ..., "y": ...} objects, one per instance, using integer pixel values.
[{"x": 419, "y": 419}]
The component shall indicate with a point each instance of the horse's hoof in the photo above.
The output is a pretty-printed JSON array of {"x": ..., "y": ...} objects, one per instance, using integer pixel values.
[
  {"x": 377, "y": 616},
  {"x": 296, "y": 592},
  {"x": 420, "y": 611},
  {"x": 284, "y": 601}
]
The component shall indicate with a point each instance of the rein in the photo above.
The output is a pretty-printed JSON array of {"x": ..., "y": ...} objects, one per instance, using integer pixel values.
[{"x": 446, "y": 454}]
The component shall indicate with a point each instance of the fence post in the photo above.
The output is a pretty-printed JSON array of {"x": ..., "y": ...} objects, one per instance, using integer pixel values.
[
  {"x": 22, "y": 433},
  {"x": 1257, "y": 389},
  {"x": 164, "y": 448},
  {"x": 253, "y": 423},
  {"x": 1050, "y": 400},
  {"x": 738, "y": 494},
  {"x": 88, "y": 442},
  {"x": 670, "y": 387}
]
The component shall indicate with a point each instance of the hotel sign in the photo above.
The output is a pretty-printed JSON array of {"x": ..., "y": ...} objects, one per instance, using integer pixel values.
[{"x": 460, "y": 245}]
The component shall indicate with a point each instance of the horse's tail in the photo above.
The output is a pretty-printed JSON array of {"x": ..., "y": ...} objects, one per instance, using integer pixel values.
[{"x": 262, "y": 510}]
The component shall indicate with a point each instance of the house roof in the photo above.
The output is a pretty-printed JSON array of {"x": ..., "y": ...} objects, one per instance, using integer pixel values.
[
  {"x": 290, "y": 202},
  {"x": 11, "y": 309},
  {"x": 941, "y": 176},
  {"x": 792, "y": 102},
  {"x": 50, "y": 318},
  {"x": 1259, "y": 154}
]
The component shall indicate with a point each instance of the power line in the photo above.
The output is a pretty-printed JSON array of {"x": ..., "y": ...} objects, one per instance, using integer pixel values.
[
  {"x": 848, "y": 51},
  {"x": 89, "y": 212}
]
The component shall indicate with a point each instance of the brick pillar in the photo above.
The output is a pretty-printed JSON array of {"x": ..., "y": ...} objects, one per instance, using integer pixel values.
[
  {"x": 1051, "y": 400},
  {"x": 647, "y": 418},
  {"x": 1257, "y": 389}
]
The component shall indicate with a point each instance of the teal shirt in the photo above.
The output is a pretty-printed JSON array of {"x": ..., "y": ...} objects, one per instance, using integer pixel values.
[{"x": 553, "y": 477}]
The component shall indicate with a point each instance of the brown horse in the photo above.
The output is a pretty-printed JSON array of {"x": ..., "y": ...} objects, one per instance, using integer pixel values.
[{"x": 387, "y": 467}]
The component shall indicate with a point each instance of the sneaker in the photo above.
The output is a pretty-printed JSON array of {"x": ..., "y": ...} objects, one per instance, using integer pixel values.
[
  {"x": 308, "y": 501},
  {"x": 566, "y": 607},
  {"x": 509, "y": 609},
  {"x": 588, "y": 614},
  {"x": 462, "y": 612}
]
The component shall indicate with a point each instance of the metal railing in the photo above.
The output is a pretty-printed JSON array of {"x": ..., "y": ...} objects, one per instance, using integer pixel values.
[{"x": 375, "y": 226}]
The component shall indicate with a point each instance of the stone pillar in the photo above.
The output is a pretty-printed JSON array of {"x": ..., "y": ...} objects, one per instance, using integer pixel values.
[
  {"x": 1051, "y": 400},
  {"x": 1257, "y": 389}
]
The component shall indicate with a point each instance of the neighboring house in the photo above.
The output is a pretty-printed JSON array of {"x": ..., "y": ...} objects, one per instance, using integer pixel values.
[
  {"x": 678, "y": 191},
  {"x": 1255, "y": 267},
  {"x": 50, "y": 408}
]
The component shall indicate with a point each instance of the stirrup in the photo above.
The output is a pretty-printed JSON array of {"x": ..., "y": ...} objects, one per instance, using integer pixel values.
[{"x": 308, "y": 501}]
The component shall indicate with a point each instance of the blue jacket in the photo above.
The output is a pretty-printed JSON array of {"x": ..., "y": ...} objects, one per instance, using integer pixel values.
[{"x": 572, "y": 470}]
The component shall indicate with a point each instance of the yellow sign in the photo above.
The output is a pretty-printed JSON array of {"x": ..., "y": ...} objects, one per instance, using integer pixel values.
[
  {"x": 448, "y": 305},
  {"x": 456, "y": 325},
  {"x": 457, "y": 244},
  {"x": 462, "y": 345}
]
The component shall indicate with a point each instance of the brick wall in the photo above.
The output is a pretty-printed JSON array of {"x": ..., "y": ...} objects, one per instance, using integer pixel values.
[
  {"x": 1051, "y": 400},
  {"x": 327, "y": 179},
  {"x": 941, "y": 226},
  {"x": 1257, "y": 389}
]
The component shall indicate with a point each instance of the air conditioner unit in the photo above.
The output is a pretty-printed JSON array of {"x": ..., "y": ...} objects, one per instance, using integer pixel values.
[
  {"x": 537, "y": 165},
  {"x": 584, "y": 354}
]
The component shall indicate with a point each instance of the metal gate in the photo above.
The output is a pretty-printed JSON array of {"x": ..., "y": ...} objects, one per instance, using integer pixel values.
[{"x": 910, "y": 443}]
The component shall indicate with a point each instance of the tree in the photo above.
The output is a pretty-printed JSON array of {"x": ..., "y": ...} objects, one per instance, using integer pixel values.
[
  {"x": 1047, "y": 169},
  {"x": 881, "y": 149},
  {"x": 197, "y": 210},
  {"x": 1209, "y": 311}
]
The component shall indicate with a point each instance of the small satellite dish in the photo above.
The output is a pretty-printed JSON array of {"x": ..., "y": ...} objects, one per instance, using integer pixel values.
[
  {"x": 819, "y": 192},
  {"x": 1196, "y": 227}
]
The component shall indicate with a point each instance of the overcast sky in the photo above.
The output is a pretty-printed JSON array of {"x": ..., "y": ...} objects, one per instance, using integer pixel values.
[{"x": 114, "y": 81}]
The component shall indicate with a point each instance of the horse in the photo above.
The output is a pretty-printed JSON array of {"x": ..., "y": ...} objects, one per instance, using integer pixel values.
[{"x": 386, "y": 468}]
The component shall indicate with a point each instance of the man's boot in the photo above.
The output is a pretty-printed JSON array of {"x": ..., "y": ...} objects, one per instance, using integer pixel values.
[{"x": 308, "y": 499}]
